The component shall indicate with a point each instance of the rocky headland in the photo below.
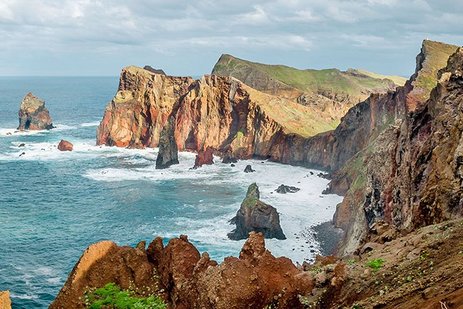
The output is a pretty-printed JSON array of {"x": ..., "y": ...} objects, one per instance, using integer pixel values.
[{"x": 33, "y": 115}]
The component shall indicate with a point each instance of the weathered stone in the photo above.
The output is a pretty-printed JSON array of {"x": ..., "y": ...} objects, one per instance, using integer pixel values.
[
  {"x": 33, "y": 115},
  {"x": 65, "y": 146},
  {"x": 168, "y": 151},
  {"x": 283, "y": 189}
]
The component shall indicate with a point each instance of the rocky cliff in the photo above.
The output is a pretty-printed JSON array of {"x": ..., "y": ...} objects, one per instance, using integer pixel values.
[
  {"x": 217, "y": 112},
  {"x": 33, "y": 115},
  {"x": 392, "y": 176},
  {"x": 331, "y": 91}
]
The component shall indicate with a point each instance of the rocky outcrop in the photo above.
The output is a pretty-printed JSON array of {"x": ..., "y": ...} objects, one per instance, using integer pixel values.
[
  {"x": 168, "y": 151},
  {"x": 283, "y": 189},
  {"x": 65, "y": 146},
  {"x": 102, "y": 263},
  {"x": 153, "y": 70},
  {"x": 204, "y": 157},
  {"x": 5, "y": 301},
  {"x": 256, "y": 216},
  {"x": 33, "y": 115},
  {"x": 186, "y": 279},
  {"x": 249, "y": 169}
]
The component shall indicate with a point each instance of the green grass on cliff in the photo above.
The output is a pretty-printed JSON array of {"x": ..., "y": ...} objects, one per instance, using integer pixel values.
[
  {"x": 352, "y": 82},
  {"x": 112, "y": 296}
]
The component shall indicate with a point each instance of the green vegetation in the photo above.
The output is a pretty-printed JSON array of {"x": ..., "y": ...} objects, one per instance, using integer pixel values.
[
  {"x": 398, "y": 80},
  {"x": 352, "y": 82},
  {"x": 375, "y": 264},
  {"x": 112, "y": 296}
]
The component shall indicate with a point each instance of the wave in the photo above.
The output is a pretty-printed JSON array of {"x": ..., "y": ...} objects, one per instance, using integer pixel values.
[{"x": 90, "y": 124}]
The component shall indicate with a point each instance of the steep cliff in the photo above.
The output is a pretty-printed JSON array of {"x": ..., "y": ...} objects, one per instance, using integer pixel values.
[
  {"x": 331, "y": 91},
  {"x": 217, "y": 112},
  {"x": 393, "y": 179}
]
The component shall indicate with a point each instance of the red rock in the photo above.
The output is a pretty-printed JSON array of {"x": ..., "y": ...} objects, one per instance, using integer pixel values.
[
  {"x": 5, "y": 301},
  {"x": 65, "y": 145},
  {"x": 204, "y": 157}
]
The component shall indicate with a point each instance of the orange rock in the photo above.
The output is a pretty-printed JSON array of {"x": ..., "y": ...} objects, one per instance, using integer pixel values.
[{"x": 65, "y": 145}]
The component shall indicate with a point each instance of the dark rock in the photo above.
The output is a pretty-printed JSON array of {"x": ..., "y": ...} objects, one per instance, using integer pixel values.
[
  {"x": 33, "y": 114},
  {"x": 248, "y": 169},
  {"x": 22, "y": 154},
  {"x": 232, "y": 165},
  {"x": 256, "y": 216},
  {"x": 229, "y": 158},
  {"x": 283, "y": 189},
  {"x": 65, "y": 146},
  {"x": 153, "y": 70},
  {"x": 168, "y": 151},
  {"x": 324, "y": 175},
  {"x": 204, "y": 157},
  {"x": 22, "y": 145}
]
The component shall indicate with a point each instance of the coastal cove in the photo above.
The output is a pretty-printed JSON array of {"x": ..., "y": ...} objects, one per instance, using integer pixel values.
[{"x": 53, "y": 204}]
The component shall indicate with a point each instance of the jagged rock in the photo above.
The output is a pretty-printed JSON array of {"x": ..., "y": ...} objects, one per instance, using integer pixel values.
[
  {"x": 5, "y": 301},
  {"x": 255, "y": 215},
  {"x": 33, "y": 115},
  {"x": 168, "y": 151},
  {"x": 153, "y": 70},
  {"x": 186, "y": 279},
  {"x": 204, "y": 157},
  {"x": 229, "y": 158},
  {"x": 22, "y": 145},
  {"x": 65, "y": 146},
  {"x": 283, "y": 189},
  {"x": 248, "y": 169},
  {"x": 102, "y": 263}
]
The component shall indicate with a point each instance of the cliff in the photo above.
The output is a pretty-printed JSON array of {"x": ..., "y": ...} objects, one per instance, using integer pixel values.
[
  {"x": 330, "y": 91},
  {"x": 217, "y": 112}
]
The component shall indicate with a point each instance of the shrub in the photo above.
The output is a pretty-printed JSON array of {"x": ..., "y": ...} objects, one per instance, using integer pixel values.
[
  {"x": 112, "y": 296},
  {"x": 375, "y": 264}
]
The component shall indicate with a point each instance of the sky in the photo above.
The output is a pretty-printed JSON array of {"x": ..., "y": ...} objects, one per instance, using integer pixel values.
[{"x": 186, "y": 37}]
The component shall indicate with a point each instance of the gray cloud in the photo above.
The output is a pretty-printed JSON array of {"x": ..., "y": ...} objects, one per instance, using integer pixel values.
[{"x": 98, "y": 37}]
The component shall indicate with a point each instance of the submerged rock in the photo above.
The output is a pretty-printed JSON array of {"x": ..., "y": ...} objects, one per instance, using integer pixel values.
[
  {"x": 204, "y": 157},
  {"x": 248, "y": 169},
  {"x": 283, "y": 189},
  {"x": 256, "y": 216},
  {"x": 33, "y": 114},
  {"x": 168, "y": 151},
  {"x": 65, "y": 145},
  {"x": 5, "y": 301}
]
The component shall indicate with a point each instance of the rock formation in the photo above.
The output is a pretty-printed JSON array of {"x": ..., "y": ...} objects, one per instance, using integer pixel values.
[
  {"x": 248, "y": 169},
  {"x": 33, "y": 115},
  {"x": 186, "y": 279},
  {"x": 256, "y": 216},
  {"x": 283, "y": 189},
  {"x": 168, "y": 151},
  {"x": 5, "y": 302},
  {"x": 204, "y": 157},
  {"x": 331, "y": 92},
  {"x": 65, "y": 146},
  {"x": 153, "y": 70}
]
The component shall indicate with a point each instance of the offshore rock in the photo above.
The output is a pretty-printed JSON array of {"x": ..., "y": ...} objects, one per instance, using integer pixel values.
[
  {"x": 65, "y": 146},
  {"x": 33, "y": 115},
  {"x": 204, "y": 157},
  {"x": 168, "y": 151},
  {"x": 283, "y": 189},
  {"x": 248, "y": 169},
  {"x": 256, "y": 216}
]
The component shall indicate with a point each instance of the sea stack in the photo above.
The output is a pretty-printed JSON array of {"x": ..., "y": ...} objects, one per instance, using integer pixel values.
[
  {"x": 204, "y": 157},
  {"x": 33, "y": 115},
  {"x": 168, "y": 151},
  {"x": 256, "y": 216}
]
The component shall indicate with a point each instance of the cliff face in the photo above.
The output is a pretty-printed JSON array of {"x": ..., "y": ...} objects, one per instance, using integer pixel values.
[
  {"x": 406, "y": 176},
  {"x": 217, "y": 112}
]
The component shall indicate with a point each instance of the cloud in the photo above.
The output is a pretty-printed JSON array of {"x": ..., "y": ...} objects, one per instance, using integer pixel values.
[{"x": 303, "y": 33}]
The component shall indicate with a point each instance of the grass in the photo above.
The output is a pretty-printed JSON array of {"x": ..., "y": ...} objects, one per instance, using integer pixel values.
[
  {"x": 375, "y": 264},
  {"x": 112, "y": 296}
]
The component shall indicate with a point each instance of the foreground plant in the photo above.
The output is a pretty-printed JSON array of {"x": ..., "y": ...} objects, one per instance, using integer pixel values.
[
  {"x": 375, "y": 264},
  {"x": 112, "y": 296}
]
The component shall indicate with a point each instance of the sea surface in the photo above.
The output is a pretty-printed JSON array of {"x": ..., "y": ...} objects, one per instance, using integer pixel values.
[{"x": 55, "y": 204}]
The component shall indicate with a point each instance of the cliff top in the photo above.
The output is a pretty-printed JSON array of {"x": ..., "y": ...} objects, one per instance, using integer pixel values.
[
  {"x": 351, "y": 82},
  {"x": 31, "y": 103}
]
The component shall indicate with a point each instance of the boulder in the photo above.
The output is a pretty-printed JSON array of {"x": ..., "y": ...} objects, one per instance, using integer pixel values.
[
  {"x": 283, "y": 189},
  {"x": 255, "y": 215},
  {"x": 204, "y": 157},
  {"x": 65, "y": 145},
  {"x": 33, "y": 115},
  {"x": 248, "y": 169},
  {"x": 5, "y": 301},
  {"x": 168, "y": 151}
]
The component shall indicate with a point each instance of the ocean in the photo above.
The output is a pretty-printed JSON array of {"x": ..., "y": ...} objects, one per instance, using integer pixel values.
[{"x": 54, "y": 204}]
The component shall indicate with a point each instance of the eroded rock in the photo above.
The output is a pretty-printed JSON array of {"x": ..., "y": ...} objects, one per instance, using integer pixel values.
[
  {"x": 65, "y": 145},
  {"x": 168, "y": 151},
  {"x": 283, "y": 189},
  {"x": 33, "y": 115}
]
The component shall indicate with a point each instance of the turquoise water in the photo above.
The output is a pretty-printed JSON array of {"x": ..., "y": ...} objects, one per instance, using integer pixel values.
[{"x": 54, "y": 204}]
